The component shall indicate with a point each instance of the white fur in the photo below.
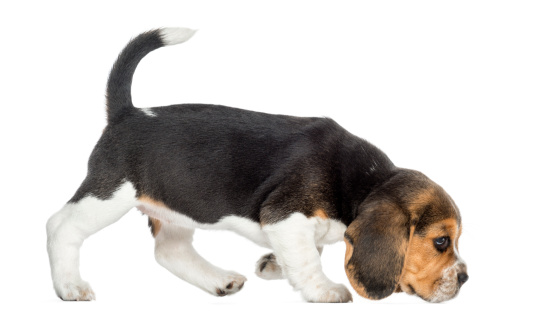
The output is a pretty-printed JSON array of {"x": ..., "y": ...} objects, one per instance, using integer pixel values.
[
  {"x": 267, "y": 268},
  {"x": 448, "y": 286},
  {"x": 175, "y": 252},
  {"x": 176, "y": 35},
  {"x": 327, "y": 231},
  {"x": 69, "y": 227},
  {"x": 242, "y": 226},
  {"x": 294, "y": 242},
  {"x": 297, "y": 242},
  {"x": 149, "y": 112}
]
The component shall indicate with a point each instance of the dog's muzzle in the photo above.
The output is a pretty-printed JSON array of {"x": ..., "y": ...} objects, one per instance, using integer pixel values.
[{"x": 450, "y": 283}]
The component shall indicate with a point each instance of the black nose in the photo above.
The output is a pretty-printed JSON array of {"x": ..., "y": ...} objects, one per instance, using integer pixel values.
[{"x": 462, "y": 278}]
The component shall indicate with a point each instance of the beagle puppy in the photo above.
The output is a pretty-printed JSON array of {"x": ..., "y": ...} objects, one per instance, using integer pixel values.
[{"x": 291, "y": 184}]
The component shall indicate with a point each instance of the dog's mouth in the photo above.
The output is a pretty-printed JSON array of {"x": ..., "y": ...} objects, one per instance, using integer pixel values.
[
  {"x": 444, "y": 290},
  {"x": 446, "y": 287},
  {"x": 443, "y": 293},
  {"x": 408, "y": 289}
]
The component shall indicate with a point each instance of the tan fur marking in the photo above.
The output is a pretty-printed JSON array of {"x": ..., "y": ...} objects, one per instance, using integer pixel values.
[
  {"x": 407, "y": 254},
  {"x": 349, "y": 252},
  {"x": 321, "y": 214},
  {"x": 149, "y": 200},
  {"x": 349, "y": 271},
  {"x": 156, "y": 226},
  {"x": 423, "y": 197},
  {"x": 458, "y": 238},
  {"x": 424, "y": 265}
]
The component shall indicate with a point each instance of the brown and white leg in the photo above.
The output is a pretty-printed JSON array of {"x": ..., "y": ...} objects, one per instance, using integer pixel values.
[
  {"x": 68, "y": 228},
  {"x": 175, "y": 252},
  {"x": 293, "y": 242}
]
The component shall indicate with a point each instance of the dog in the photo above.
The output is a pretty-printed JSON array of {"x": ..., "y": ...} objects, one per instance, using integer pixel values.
[{"x": 292, "y": 184}]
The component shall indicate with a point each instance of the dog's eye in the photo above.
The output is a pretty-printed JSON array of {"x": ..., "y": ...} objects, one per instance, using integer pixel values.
[{"x": 441, "y": 243}]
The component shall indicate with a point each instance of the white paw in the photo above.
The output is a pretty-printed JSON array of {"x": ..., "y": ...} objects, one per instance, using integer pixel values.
[
  {"x": 267, "y": 268},
  {"x": 229, "y": 283},
  {"x": 330, "y": 293},
  {"x": 70, "y": 291}
]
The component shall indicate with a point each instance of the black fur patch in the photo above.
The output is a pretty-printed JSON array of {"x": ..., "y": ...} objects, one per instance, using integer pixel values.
[
  {"x": 208, "y": 161},
  {"x": 118, "y": 91}
]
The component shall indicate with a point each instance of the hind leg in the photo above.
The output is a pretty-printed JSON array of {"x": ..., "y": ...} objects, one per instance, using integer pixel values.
[
  {"x": 67, "y": 230},
  {"x": 267, "y": 267},
  {"x": 175, "y": 252}
]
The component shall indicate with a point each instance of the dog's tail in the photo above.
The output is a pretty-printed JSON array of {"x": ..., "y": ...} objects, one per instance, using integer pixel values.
[{"x": 118, "y": 90}]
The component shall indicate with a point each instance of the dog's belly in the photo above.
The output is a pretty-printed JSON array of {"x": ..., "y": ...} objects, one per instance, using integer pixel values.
[
  {"x": 242, "y": 226},
  {"x": 327, "y": 231}
]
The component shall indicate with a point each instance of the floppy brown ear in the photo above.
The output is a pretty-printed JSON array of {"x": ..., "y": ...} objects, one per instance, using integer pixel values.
[{"x": 376, "y": 243}]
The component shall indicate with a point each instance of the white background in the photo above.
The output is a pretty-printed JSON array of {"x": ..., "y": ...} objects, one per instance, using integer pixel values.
[{"x": 454, "y": 89}]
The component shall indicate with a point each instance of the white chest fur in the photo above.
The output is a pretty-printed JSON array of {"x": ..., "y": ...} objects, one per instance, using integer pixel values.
[{"x": 327, "y": 231}]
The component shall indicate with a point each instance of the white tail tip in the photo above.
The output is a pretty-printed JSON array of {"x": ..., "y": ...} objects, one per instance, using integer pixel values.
[{"x": 176, "y": 35}]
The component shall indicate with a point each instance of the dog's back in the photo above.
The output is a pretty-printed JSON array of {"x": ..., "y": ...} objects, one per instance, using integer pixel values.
[{"x": 218, "y": 161}]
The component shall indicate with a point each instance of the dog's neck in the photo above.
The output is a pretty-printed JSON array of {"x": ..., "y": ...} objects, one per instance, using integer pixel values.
[{"x": 366, "y": 169}]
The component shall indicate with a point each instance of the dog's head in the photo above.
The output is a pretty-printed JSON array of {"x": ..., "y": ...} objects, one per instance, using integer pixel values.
[{"x": 405, "y": 238}]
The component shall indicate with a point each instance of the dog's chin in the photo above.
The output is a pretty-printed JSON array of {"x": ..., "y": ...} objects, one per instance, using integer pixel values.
[
  {"x": 438, "y": 298},
  {"x": 445, "y": 290}
]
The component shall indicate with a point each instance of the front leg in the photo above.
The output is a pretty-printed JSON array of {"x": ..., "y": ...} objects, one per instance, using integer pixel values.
[{"x": 293, "y": 243}]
